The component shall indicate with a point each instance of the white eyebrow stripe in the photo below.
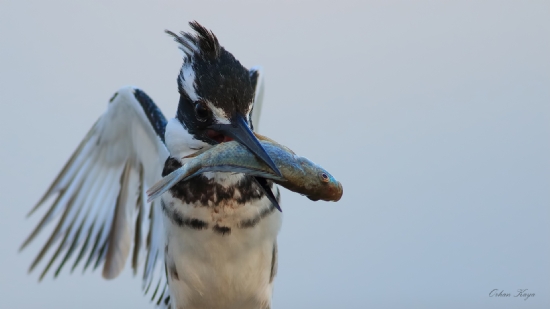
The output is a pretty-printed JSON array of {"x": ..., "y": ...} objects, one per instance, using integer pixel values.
[
  {"x": 250, "y": 106},
  {"x": 219, "y": 114},
  {"x": 187, "y": 79}
]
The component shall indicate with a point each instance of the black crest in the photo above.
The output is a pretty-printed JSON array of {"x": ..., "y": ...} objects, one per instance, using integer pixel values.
[
  {"x": 204, "y": 43},
  {"x": 211, "y": 79}
]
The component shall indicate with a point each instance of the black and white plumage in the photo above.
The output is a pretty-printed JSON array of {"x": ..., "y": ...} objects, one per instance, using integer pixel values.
[{"x": 209, "y": 242}]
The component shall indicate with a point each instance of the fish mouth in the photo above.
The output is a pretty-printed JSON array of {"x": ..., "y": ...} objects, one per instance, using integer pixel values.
[
  {"x": 332, "y": 194},
  {"x": 339, "y": 193}
]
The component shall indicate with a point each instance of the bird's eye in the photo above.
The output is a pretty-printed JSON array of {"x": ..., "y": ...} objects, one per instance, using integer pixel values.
[
  {"x": 201, "y": 111},
  {"x": 324, "y": 177}
]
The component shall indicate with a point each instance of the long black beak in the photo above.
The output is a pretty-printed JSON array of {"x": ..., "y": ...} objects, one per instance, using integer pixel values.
[
  {"x": 239, "y": 131},
  {"x": 267, "y": 191}
]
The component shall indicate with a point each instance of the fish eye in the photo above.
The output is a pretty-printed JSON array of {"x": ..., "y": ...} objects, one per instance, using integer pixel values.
[
  {"x": 201, "y": 111},
  {"x": 324, "y": 177}
]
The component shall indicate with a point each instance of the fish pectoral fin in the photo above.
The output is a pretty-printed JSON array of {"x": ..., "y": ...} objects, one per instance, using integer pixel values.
[{"x": 166, "y": 183}]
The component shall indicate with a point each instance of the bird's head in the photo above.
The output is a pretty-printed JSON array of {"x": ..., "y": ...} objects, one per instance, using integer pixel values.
[{"x": 216, "y": 95}]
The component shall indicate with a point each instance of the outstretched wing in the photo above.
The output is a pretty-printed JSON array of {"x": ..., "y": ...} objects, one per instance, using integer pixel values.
[{"x": 98, "y": 199}]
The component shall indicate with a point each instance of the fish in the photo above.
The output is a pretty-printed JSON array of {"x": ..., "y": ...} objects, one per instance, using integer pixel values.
[{"x": 299, "y": 174}]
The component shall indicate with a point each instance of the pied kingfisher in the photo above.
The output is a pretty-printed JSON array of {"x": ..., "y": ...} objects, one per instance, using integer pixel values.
[{"x": 210, "y": 242}]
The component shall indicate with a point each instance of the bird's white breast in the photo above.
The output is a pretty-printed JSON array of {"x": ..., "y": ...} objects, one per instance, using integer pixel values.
[{"x": 207, "y": 269}]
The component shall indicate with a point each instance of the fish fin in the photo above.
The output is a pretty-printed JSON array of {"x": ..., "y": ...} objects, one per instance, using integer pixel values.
[{"x": 165, "y": 183}]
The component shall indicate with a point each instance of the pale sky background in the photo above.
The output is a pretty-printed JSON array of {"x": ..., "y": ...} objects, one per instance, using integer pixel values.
[{"x": 435, "y": 116}]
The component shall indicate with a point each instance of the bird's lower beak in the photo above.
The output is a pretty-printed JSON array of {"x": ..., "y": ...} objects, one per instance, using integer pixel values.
[{"x": 239, "y": 131}]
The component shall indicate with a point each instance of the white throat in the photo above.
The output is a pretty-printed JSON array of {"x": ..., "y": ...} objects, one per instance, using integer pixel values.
[{"x": 179, "y": 142}]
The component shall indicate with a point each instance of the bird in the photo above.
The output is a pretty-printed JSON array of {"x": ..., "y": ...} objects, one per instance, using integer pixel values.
[{"x": 209, "y": 242}]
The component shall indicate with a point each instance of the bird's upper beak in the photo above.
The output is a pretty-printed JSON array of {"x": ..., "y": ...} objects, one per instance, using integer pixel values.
[{"x": 238, "y": 130}]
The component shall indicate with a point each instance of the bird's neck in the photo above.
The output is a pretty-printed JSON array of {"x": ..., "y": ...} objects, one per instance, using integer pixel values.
[
  {"x": 216, "y": 200},
  {"x": 179, "y": 142}
]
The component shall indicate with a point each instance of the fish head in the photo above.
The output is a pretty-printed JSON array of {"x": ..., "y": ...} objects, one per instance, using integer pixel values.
[{"x": 319, "y": 184}]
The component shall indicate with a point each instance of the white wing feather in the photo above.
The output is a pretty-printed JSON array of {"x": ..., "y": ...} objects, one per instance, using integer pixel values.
[{"x": 100, "y": 200}]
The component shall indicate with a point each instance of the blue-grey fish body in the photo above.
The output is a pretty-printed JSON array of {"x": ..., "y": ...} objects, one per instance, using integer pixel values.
[{"x": 298, "y": 173}]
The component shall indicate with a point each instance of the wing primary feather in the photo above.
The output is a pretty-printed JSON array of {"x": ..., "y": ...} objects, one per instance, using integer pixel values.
[
  {"x": 138, "y": 233},
  {"x": 148, "y": 279},
  {"x": 41, "y": 224},
  {"x": 156, "y": 290},
  {"x": 104, "y": 240},
  {"x": 121, "y": 228},
  {"x": 137, "y": 242},
  {"x": 98, "y": 229},
  {"x": 101, "y": 254},
  {"x": 75, "y": 213},
  {"x": 83, "y": 249},
  {"x": 83, "y": 220},
  {"x": 161, "y": 295},
  {"x": 62, "y": 204},
  {"x": 74, "y": 203},
  {"x": 155, "y": 243},
  {"x": 96, "y": 243},
  {"x": 94, "y": 185},
  {"x": 103, "y": 236},
  {"x": 94, "y": 228},
  {"x": 82, "y": 213},
  {"x": 88, "y": 218},
  {"x": 148, "y": 242},
  {"x": 53, "y": 237},
  {"x": 59, "y": 202},
  {"x": 71, "y": 250},
  {"x": 61, "y": 246},
  {"x": 62, "y": 174}
]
